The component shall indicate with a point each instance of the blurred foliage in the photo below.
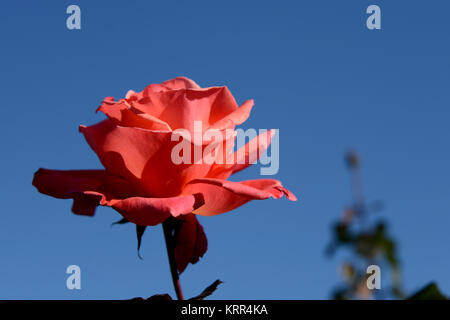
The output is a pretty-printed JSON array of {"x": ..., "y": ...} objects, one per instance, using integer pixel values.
[
  {"x": 367, "y": 242},
  {"x": 368, "y": 246}
]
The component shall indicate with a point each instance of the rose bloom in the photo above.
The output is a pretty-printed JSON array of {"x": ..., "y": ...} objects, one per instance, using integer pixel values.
[{"x": 141, "y": 181}]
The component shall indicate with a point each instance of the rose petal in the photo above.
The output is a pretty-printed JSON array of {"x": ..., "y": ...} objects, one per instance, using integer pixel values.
[
  {"x": 127, "y": 115},
  {"x": 133, "y": 146},
  {"x": 144, "y": 158},
  {"x": 152, "y": 211},
  {"x": 90, "y": 188},
  {"x": 113, "y": 109},
  {"x": 180, "y": 83},
  {"x": 237, "y": 117},
  {"x": 177, "y": 103},
  {"x": 242, "y": 158},
  {"x": 173, "y": 84},
  {"x": 180, "y": 108},
  {"x": 222, "y": 196},
  {"x": 66, "y": 184}
]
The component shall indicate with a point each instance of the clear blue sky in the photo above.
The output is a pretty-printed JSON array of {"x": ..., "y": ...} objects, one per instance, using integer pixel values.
[{"x": 316, "y": 73}]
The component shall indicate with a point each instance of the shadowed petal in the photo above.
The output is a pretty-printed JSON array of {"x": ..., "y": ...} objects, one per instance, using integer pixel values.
[
  {"x": 66, "y": 184},
  {"x": 90, "y": 188}
]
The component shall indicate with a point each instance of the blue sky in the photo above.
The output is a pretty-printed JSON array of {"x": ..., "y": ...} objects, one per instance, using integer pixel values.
[{"x": 315, "y": 72}]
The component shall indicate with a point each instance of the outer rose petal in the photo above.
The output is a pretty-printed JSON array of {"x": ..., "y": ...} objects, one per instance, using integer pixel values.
[
  {"x": 191, "y": 242},
  {"x": 122, "y": 150},
  {"x": 153, "y": 211},
  {"x": 112, "y": 109},
  {"x": 66, "y": 184},
  {"x": 90, "y": 188},
  {"x": 223, "y": 195}
]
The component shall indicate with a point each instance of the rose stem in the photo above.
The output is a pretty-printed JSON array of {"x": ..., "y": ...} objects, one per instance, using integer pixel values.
[{"x": 170, "y": 245}]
